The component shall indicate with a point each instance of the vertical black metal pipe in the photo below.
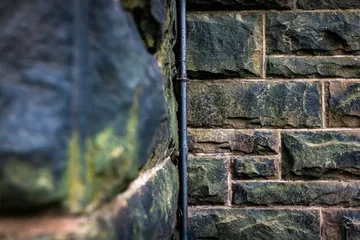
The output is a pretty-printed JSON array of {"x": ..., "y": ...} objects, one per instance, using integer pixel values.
[{"x": 182, "y": 77}]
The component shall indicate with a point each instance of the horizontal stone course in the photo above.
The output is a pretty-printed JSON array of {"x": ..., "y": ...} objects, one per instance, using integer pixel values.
[
  {"x": 251, "y": 224},
  {"x": 238, "y": 4},
  {"x": 234, "y": 141},
  {"x": 224, "y": 45},
  {"x": 254, "y": 167},
  {"x": 208, "y": 180},
  {"x": 310, "y": 67},
  {"x": 254, "y": 104},
  {"x": 297, "y": 193},
  {"x": 328, "y": 4},
  {"x": 313, "y": 33},
  {"x": 343, "y": 103},
  {"x": 325, "y": 155}
]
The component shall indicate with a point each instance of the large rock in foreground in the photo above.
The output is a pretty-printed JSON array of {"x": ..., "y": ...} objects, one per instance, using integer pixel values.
[{"x": 65, "y": 141}]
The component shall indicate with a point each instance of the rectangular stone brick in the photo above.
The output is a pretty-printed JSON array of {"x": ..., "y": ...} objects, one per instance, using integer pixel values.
[
  {"x": 208, "y": 180},
  {"x": 341, "y": 224},
  {"x": 238, "y": 4},
  {"x": 343, "y": 104},
  {"x": 254, "y": 104},
  {"x": 253, "y": 224},
  {"x": 254, "y": 167},
  {"x": 328, "y": 4},
  {"x": 224, "y": 45},
  {"x": 309, "y": 67},
  {"x": 234, "y": 141},
  {"x": 318, "y": 33},
  {"x": 297, "y": 193},
  {"x": 325, "y": 155}
]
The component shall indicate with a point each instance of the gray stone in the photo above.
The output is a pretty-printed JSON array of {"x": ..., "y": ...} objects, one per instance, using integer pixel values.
[
  {"x": 343, "y": 104},
  {"x": 152, "y": 206},
  {"x": 234, "y": 141},
  {"x": 223, "y": 45},
  {"x": 308, "y": 67},
  {"x": 254, "y": 104},
  {"x": 208, "y": 180},
  {"x": 328, "y": 155},
  {"x": 239, "y": 4},
  {"x": 320, "y": 33},
  {"x": 297, "y": 193},
  {"x": 352, "y": 229},
  {"x": 251, "y": 224},
  {"x": 54, "y": 131},
  {"x": 149, "y": 16},
  {"x": 338, "y": 223},
  {"x": 328, "y": 4},
  {"x": 254, "y": 167}
]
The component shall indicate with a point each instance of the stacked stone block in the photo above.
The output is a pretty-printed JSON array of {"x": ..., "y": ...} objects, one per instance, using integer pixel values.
[{"x": 274, "y": 119}]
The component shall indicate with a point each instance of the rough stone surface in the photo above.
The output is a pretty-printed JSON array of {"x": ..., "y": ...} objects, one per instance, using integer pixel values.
[
  {"x": 208, "y": 180},
  {"x": 254, "y": 104},
  {"x": 234, "y": 141},
  {"x": 308, "y": 67},
  {"x": 60, "y": 139},
  {"x": 149, "y": 16},
  {"x": 337, "y": 223},
  {"x": 224, "y": 45},
  {"x": 334, "y": 155},
  {"x": 352, "y": 230},
  {"x": 167, "y": 134},
  {"x": 297, "y": 193},
  {"x": 254, "y": 167},
  {"x": 328, "y": 4},
  {"x": 238, "y": 4},
  {"x": 251, "y": 224},
  {"x": 150, "y": 211},
  {"x": 322, "y": 33},
  {"x": 343, "y": 104}
]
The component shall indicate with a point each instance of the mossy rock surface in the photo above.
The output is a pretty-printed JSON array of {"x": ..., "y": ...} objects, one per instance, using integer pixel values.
[
  {"x": 63, "y": 142},
  {"x": 249, "y": 224}
]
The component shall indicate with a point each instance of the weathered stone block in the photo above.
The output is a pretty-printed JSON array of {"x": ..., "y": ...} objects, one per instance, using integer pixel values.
[
  {"x": 343, "y": 100},
  {"x": 328, "y": 4},
  {"x": 223, "y": 45},
  {"x": 152, "y": 206},
  {"x": 352, "y": 229},
  {"x": 333, "y": 155},
  {"x": 297, "y": 193},
  {"x": 341, "y": 223},
  {"x": 235, "y": 141},
  {"x": 254, "y": 167},
  {"x": 239, "y": 4},
  {"x": 251, "y": 224},
  {"x": 150, "y": 17},
  {"x": 208, "y": 180},
  {"x": 254, "y": 104},
  {"x": 321, "y": 33},
  {"x": 308, "y": 67}
]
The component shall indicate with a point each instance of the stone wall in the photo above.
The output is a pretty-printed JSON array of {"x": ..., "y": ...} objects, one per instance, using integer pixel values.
[
  {"x": 88, "y": 159},
  {"x": 274, "y": 119}
]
